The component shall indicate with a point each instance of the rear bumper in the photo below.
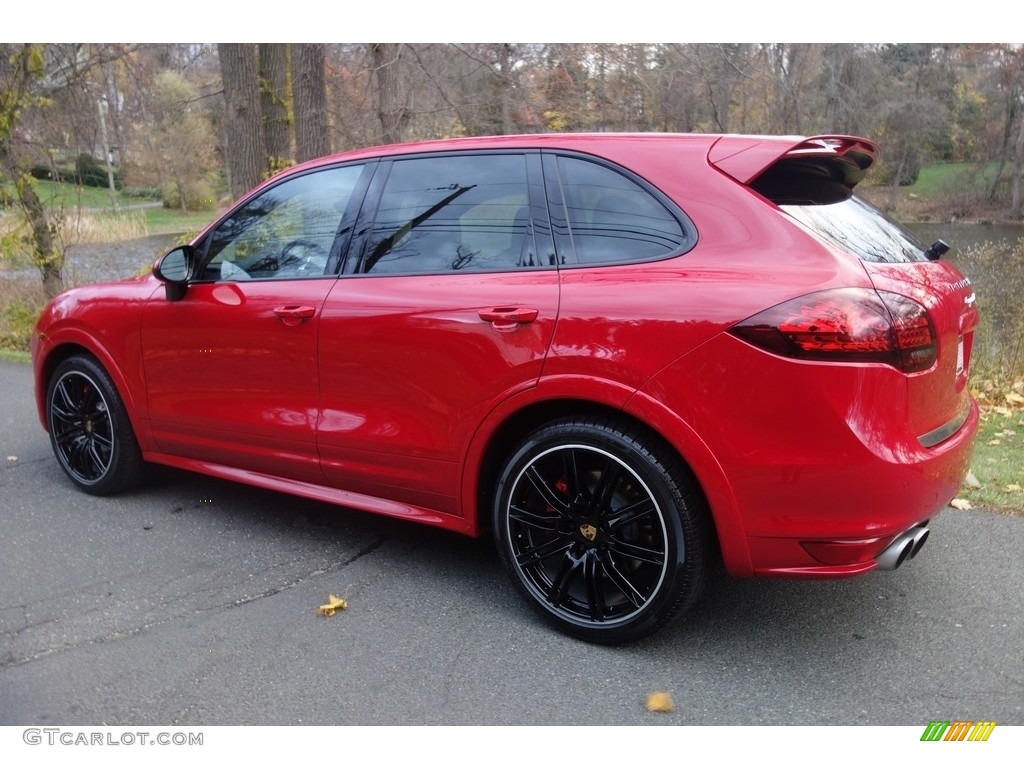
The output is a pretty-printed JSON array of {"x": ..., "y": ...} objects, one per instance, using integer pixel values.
[{"x": 811, "y": 470}]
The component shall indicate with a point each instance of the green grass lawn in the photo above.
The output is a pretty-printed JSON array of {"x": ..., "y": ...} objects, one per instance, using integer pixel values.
[
  {"x": 158, "y": 220},
  {"x": 161, "y": 221},
  {"x": 61, "y": 195},
  {"x": 945, "y": 179},
  {"x": 998, "y": 464}
]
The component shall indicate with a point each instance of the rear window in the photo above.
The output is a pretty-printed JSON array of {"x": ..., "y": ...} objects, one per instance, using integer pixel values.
[{"x": 859, "y": 229}]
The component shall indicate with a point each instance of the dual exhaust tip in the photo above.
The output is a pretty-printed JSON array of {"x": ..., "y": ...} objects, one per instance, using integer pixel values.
[{"x": 903, "y": 548}]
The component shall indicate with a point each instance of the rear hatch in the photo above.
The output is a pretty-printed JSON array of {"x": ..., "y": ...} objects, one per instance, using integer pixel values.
[{"x": 813, "y": 181}]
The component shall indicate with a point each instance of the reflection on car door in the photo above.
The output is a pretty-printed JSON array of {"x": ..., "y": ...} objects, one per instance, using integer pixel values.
[
  {"x": 449, "y": 309},
  {"x": 231, "y": 368}
]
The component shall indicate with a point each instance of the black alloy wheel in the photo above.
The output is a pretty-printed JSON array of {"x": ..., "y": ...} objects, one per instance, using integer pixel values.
[
  {"x": 89, "y": 429},
  {"x": 603, "y": 535}
]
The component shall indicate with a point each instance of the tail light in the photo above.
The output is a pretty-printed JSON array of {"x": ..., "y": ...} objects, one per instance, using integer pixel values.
[{"x": 856, "y": 325}]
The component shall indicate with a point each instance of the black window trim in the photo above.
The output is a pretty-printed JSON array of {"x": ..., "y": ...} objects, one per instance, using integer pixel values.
[
  {"x": 339, "y": 244},
  {"x": 571, "y": 260},
  {"x": 539, "y": 228}
]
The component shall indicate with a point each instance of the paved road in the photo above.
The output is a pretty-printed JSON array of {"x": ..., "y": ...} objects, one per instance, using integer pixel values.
[{"x": 192, "y": 602}]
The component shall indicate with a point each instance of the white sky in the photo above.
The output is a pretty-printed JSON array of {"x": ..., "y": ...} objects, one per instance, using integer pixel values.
[{"x": 511, "y": 21}]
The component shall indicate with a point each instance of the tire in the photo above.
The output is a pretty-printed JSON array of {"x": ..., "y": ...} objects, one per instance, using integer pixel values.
[
  {"x": 89, "y": 429},
  {"x": 601, "y": 529}
]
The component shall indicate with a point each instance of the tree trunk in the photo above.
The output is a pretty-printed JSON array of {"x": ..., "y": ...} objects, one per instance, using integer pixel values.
[
  {"x": 391, "y": 110},
  {"x": 310, "y": 90},
  {"x": 1018, "y": 172},
  {"x": 245, "y": 155},
  {"x": 504, "y": 85},
  {"x": 45, "y": 253},
  {"x": 273, "y": 63}
]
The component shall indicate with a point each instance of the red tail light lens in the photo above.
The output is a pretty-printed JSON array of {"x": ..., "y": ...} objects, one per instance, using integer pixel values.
[{"x": 846, "y": 325}]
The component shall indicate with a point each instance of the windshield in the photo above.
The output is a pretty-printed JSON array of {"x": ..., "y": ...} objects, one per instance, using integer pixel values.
[{"x": 857, "y": 228}]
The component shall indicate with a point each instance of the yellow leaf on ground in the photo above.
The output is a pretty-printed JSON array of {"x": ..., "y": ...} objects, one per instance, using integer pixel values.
[
  {"x": 1013, "y": 488},
  {"x": 997, "y": 441},
  {"x": 660, "y": 701},
  {"x": 335, "y": 603},
  {"x": 960, "y": 504},
  {"x": 1013, "y": 397},
  {"x": 12, "y": 458}
]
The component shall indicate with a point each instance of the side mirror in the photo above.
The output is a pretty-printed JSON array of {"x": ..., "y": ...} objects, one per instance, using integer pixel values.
[{"x": 174, "y": 269}]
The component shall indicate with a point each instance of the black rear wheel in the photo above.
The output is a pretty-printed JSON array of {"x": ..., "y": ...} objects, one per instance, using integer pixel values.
[{"x": 601, "y": 529}]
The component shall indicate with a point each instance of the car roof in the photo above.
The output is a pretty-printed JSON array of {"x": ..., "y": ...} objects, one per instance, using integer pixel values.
[{"x": 745, "y": 158}]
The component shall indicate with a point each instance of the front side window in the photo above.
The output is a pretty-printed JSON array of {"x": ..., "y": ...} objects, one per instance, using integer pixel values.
[
  {"x": 614, "y": 219},
  {"x": 285, "y": 232},
  {"x": 452, "y": 214}
]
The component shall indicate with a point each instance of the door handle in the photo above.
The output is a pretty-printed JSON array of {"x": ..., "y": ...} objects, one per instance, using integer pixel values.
[
  {"x": 293, "y": 314},
  {"x": 507, "y": 318}
]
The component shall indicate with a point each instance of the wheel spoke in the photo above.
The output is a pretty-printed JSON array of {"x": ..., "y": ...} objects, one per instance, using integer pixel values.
[
  {"x": 542, "y": 521},
  {"x": 571, "y": 473},
  {"x": 66, "y": 408},
  {"x": 549, "y": 494},
  {"x": 531, "y": 557},
  {"x": 79, "y": 459},
  {"x": 636, "y": 552},
  {"x": 604, "y": 491},
  {"x": 631, "y": 514},
  {"x": 560, "y": 584},
  {"x": 595, "y": 587},
  {"x": 620, "y": 580},
  {"x": 98, "y": 462}
]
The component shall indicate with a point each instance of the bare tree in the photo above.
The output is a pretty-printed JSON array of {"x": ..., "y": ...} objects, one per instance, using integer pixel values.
[
  {"x": 391, "y": 107},
  {"x": 277, "y": 127},
  {"x": 311, "y": 130},
  {"x": 247, "y": 162},
  {"x": 20, "y": 69}
]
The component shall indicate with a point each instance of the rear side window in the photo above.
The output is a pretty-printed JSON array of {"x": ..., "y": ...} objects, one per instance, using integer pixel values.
[
  {"x": 857, "y": 228},
  {"x": 452, "y": 214},
  {"x": 612, "y": 218}
]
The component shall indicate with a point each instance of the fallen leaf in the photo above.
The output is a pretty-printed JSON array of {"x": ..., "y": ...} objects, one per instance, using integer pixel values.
[
  {"x": 960, "y": 504},
  {"x": 335, "y": 603},
  {"x": 971, "y": 481},
  {"x": 1013, "y": 397},
  {"x": 660, "y": 701},
  {"x": 12, "y": 458},
  {"x": 995, "y": 442},
  {"x": 1013, "y": 488}
]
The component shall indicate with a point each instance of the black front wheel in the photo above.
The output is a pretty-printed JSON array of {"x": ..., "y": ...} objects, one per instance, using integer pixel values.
[
  {"x": 601, "y": 528},
  {"x": 89, "y": 428}
]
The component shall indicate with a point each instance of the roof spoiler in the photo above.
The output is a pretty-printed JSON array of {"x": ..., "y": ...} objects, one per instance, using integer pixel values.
[{"x": 796, "y": 170}]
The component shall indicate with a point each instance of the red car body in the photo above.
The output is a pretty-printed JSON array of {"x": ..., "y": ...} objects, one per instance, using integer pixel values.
[{"x": 406, "y": 394}]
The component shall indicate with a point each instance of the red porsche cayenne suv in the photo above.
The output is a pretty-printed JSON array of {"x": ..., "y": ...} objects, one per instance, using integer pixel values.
[{"x": 624, "y": 355}]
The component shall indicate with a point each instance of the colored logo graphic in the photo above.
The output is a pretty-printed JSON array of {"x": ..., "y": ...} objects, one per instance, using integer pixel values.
[{"x": 958, "y": 730}]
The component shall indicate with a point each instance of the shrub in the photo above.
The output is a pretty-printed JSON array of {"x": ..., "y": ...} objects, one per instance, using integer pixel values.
[
  {"x": 90, "y": 172},
  {"x": 996, "y": 271},
  {"x": 199, "y": 196},
  {"x": 21, "y": 302}
]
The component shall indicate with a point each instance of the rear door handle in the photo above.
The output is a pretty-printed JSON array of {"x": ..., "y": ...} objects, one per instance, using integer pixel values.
[
  {"x": 293, "y": 314},
  {"x": 507, "y": 318}
]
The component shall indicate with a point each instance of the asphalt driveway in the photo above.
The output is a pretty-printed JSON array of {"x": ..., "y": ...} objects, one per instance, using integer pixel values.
[{"x": 193, "y": 601}]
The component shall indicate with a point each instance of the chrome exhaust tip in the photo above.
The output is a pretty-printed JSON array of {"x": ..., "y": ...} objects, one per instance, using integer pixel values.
[
  {"x": 904, "y": 547},
  {"x": 892, "y": 557},
  {"x": 920, "y": 537}
]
